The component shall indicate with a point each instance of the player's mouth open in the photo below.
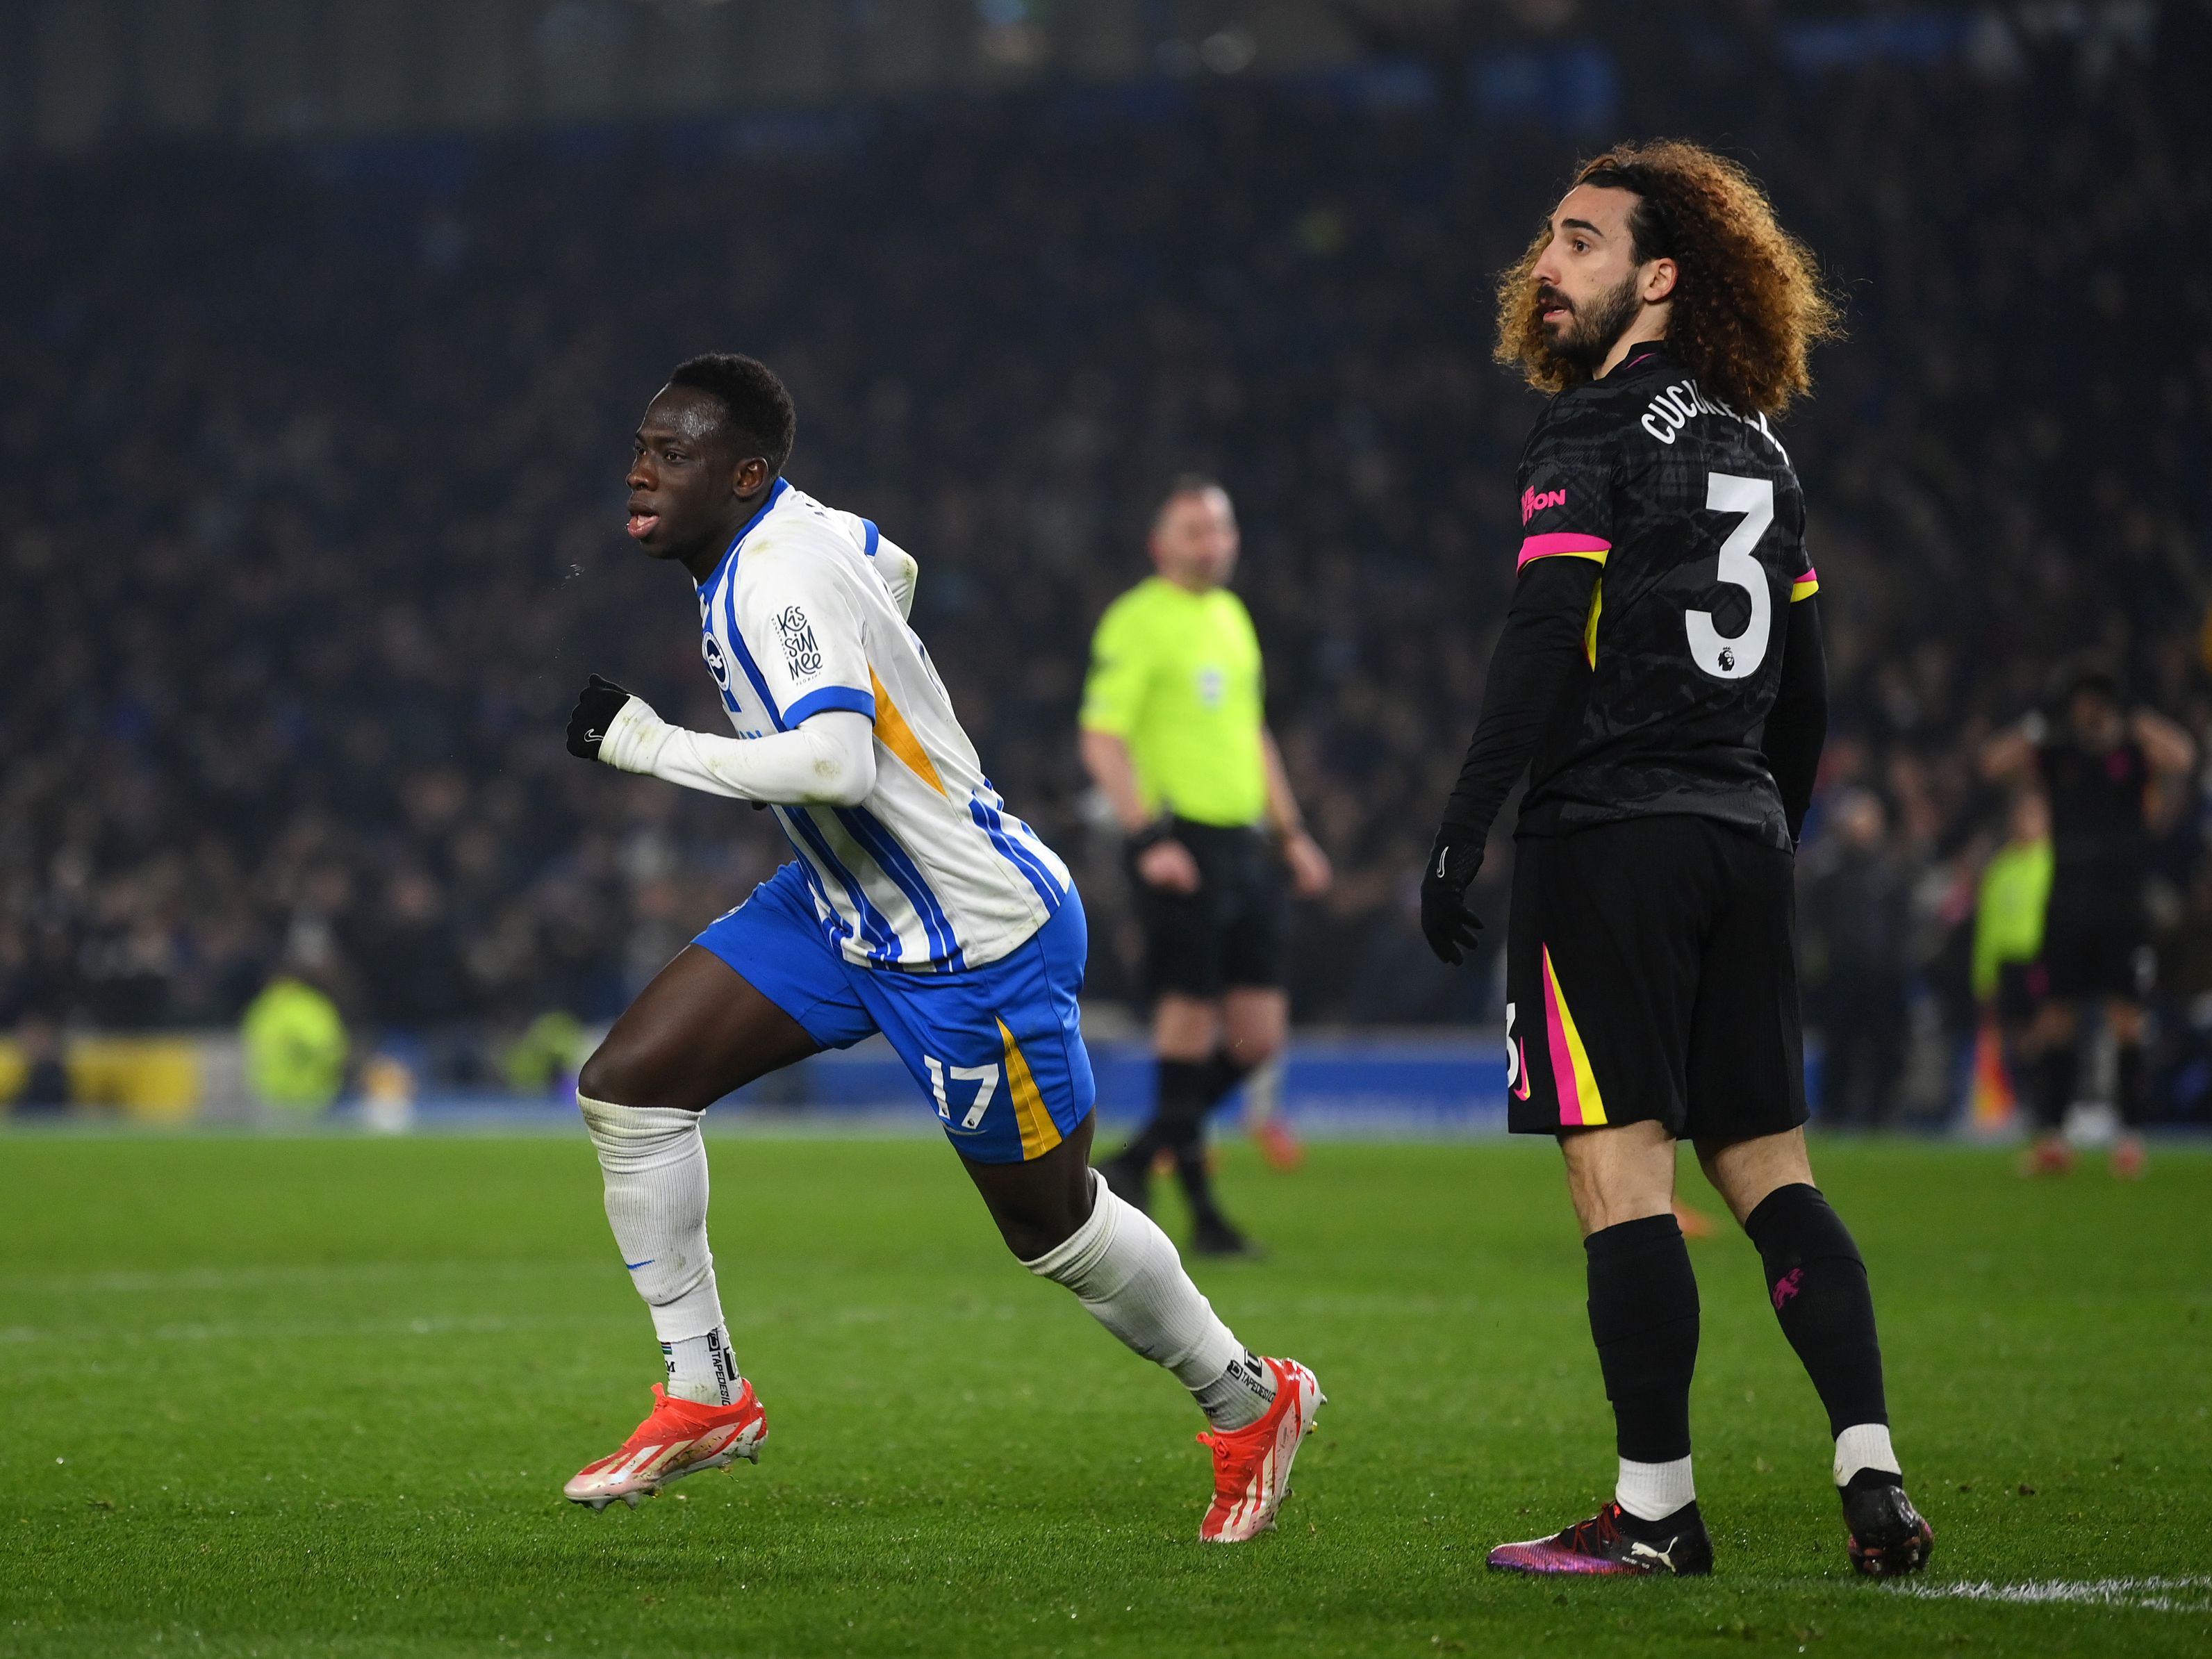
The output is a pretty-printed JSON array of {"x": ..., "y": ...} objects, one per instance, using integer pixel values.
[{"x": 642, "y": 524}]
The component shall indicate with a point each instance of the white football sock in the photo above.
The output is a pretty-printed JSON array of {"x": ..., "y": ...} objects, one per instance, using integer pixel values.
[
  {"x": 655, "y": 1164},
  {"x": 1864, "y": 1446},
  {"x": 1652, "y": 1492},
  {"x": 703, "y": 1369},
  {"x": 1263, "y": 1090},
  {"x": 1125, "y": 1270}
]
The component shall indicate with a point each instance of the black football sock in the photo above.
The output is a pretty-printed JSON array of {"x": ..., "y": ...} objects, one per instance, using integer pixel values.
[
  {"x": 1644, "y": 1317},
  {"x": 2056, "y": 1072},
  {"x": 1182, "y": 1124},
  {"x": 1143, "y": 1145},
  {"x": 1222, "y": 1075},
  {"x": 1817, "y": 1282},
  {"x": 2130, "y": 1081}
]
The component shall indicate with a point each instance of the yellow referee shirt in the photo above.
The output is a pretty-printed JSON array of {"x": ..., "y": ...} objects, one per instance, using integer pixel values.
[{"x": 1176, "y": 676}]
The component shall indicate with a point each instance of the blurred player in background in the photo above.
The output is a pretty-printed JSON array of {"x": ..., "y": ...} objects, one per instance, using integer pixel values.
[
  {"x": 2097, "y": 770},
  {"x": 1174, "y": 735},
  {"x": 1660, "y": 681},
  {"x": 917, "y": 906}
]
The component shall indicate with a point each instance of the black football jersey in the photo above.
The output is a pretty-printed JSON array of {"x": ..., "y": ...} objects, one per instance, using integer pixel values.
[
  {"x": 2097, "y": 831},
  {"x": 1698, "y": 522}
]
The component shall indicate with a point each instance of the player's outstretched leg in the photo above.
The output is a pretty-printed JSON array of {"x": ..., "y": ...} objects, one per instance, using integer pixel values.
[
  {"x": 1644, "y": 1317},
  {"x": 1125, "y": 1272},
  {"x": 697, "y": 1031},
  {"x": 1817, "y": 1282}
]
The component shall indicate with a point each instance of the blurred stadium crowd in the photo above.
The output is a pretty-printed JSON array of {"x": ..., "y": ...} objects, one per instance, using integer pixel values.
[{"x": 310, "y": 498}]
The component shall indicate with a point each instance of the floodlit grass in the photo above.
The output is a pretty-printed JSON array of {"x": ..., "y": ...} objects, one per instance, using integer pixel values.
[{"x": 319, "y": 1396}]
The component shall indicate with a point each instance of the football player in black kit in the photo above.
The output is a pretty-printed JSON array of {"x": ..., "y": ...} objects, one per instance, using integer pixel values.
[
  {"x": 2097, "y": 769},
  {"x": 1660, "y": 682}
]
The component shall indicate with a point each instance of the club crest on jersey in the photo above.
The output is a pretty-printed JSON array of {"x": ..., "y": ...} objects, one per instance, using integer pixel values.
[
  {"x": 1534, "y": 502},
  {"x": 800, "y": 653},
  {"x": 717, "y": 665}
]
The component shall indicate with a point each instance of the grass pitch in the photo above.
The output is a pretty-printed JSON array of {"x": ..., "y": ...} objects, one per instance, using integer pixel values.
[{"x": 319, "y": 1396}]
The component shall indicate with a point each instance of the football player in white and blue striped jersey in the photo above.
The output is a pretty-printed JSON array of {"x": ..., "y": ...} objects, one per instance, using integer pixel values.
[{"x": 915, "y": 905}]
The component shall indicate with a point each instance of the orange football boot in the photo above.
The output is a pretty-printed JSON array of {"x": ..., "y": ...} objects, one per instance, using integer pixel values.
[
  {"x": 677, "y": 1437},
  {"x": 1278, "y": 1145},
  {"x": 1693, "y": 1222},
  {"x": 1252, "y": 1465}
]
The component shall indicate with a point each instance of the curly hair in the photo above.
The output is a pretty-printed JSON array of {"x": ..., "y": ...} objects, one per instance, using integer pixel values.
[{"x": 1748, "y": 303}]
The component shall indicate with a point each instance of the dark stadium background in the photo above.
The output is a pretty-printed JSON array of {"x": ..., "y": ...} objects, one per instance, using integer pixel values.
[{"x": 323, "y": 330}]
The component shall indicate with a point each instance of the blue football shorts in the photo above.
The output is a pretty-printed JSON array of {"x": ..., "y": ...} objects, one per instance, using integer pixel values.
[{"x": 997, "y": 1050}]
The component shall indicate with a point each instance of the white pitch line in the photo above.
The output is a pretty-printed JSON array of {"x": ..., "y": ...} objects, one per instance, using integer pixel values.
[{"x": 2186, "y": 1595}]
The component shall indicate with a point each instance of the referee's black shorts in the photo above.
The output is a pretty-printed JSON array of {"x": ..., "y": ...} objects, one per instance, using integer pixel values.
[
  {"x": 1651, "y": 974},
  {"x": 1231, "y": 932}
]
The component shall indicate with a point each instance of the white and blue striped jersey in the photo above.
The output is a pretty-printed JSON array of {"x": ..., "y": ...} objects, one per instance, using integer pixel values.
[{"x": 930, "y": 871}]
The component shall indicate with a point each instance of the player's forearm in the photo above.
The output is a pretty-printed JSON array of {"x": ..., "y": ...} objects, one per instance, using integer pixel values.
[
  {"x": 1531, "y": 669},
  {"x": 2166, "y": 745},
  {"x": 1106, "y": 758},
  {"x": 827, "y": 761},
  {"x": 1282, "y": 803},
  {"x": 2010, "y": 753},
  {"x": 1797, "y": 726}
]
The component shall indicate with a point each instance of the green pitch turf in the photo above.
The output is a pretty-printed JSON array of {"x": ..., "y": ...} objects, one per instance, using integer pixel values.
[{"x": 319, "y": 1396}]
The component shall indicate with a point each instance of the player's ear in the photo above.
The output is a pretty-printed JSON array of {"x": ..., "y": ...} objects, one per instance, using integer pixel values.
[
  {"x": 1659, "y": 278},
  {"x": 749, "y": 476}
]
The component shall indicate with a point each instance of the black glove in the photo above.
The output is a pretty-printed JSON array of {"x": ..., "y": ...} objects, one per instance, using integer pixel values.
[
  {"x": 597, "y": 705},
  {"x": 1451, "y": 929}
]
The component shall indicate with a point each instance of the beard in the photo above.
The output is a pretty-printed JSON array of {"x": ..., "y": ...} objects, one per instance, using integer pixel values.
[{"x": 1583, "y": 340}]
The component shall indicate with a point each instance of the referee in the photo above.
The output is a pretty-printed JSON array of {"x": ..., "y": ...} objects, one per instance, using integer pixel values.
[{"x": 1174, "y": 735}]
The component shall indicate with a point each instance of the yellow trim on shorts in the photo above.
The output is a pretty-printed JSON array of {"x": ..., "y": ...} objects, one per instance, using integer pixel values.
[{"x": 1040, "y": 1134}]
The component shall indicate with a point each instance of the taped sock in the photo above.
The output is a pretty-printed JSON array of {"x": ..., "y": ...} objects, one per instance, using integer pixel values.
[
  {"x": 653, "y": 1162},
  {"x": 1127, "y": 1272}
]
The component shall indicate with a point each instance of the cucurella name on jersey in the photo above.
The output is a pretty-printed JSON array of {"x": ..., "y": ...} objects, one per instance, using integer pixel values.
[
  {"x": 930, "y": 871},
  {"x": 1666, "y": 415}
]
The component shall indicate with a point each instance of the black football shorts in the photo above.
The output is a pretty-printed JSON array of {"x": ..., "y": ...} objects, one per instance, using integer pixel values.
[
  {"x": 1651, "y": 974},
  {"x": 2096, "y": 943},
  {"x": 1232, "y": 932}
]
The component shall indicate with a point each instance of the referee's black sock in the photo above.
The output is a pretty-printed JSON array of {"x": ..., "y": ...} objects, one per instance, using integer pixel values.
[
  {"x": 2056, "y": 1070},
  {"x": 2128, "y": 1062},
  {"x": 1818, "y": 1285},
  {"x": 1223, "y": 1074},
  {"x": 1644, "y": 1317},
  {"x": 1182, "y": 1123},
  {"x": 1174, "y": 1118}
]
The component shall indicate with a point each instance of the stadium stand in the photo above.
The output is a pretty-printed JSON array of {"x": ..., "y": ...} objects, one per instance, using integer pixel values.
[{"x": 310, "y": 489}]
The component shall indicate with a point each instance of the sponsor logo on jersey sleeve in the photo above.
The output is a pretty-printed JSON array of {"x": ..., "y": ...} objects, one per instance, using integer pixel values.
[
  {"x": 801, "y": 655},
  {"x": 1533, "y": 500}
]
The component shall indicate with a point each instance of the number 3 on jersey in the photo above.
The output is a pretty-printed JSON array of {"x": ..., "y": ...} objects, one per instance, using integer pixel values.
[
  {"x": 986, "y": 1077},
  {"x": 1719, "y": 655}
]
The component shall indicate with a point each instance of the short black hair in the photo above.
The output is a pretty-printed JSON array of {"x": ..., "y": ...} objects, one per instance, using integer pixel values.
[
  {"x": 1182, "y": 484},
  {"x": 2087, "y": 671},
  {"x": 759, "y": 403}
]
